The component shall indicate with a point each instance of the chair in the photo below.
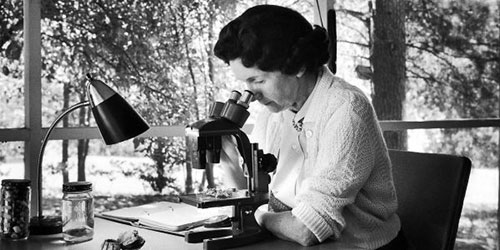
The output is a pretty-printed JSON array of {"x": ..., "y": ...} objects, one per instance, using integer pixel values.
[{"x": 430, "y": 190}]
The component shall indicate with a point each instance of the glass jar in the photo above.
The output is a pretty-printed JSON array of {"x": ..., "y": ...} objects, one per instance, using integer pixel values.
[
  {"x": 15, "y": 209},
  {"x": 77, "y": 211}
]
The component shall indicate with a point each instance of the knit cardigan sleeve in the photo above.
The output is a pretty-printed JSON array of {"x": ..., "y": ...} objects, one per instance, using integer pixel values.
[{"x": 343, "y": 163}]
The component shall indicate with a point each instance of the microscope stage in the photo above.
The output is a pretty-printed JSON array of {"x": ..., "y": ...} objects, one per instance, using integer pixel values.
[{"x": 202, "y": 200}]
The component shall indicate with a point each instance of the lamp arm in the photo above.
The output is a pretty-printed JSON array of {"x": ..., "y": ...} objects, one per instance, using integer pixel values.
[{"x": 42, "y": 149}]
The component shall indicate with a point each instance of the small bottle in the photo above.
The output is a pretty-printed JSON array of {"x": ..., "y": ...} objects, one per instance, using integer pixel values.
[
  {"x": 77, "y": 211},
  {"x": 15, "y": 209}
]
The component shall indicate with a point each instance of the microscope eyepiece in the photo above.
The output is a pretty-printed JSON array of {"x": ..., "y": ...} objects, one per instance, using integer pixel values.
[
  {"x": 245, "y": 99},
  {"x": 235, "y": 96},
  {"x": 235, "y": 109}
]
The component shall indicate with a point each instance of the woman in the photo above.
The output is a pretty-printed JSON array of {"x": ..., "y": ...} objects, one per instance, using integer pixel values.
[{"x": 333, "y": 178}]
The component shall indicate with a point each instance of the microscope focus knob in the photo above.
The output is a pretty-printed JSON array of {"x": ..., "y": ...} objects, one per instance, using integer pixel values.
[{"x": 269, "y": 163}]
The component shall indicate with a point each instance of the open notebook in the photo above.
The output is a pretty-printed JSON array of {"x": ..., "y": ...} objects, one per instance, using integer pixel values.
[{"x": 166, "y": 216}]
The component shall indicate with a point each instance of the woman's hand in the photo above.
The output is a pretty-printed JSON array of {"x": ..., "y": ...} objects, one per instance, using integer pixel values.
[
  {"x": 260, "y": 213},
  {"x": 285, "y": 226}
]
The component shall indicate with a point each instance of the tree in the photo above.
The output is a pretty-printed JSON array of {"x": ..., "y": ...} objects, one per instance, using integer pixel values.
[
  {"x": 454, "y": 69},
  {"x": 388, "y": 63},
  {"x": 157, "y": 54},
  {"x": 11, "y": 26},
  {"x": 454, "y": 53},
  {"x": 371, "y": 42},
  {"x": 65, "y": 143},
  {"x": 148, "y": 46}
]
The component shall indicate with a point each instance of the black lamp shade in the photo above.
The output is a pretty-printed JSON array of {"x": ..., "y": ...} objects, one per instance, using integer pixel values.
[{"x": 116, "y": 119}]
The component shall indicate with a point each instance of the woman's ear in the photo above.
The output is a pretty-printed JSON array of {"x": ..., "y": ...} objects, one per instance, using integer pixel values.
[{"x": 301, "y": 72}]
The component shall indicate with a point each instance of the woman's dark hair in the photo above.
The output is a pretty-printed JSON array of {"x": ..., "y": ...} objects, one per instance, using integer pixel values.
[{"x": 273, "y": 38}]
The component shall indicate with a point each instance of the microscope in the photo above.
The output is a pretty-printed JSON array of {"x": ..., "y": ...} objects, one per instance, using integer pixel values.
[{"x": 204, "y": 140}]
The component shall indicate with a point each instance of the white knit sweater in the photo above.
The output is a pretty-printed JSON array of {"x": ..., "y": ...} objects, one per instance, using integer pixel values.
[{"x": 347, "y": 192}]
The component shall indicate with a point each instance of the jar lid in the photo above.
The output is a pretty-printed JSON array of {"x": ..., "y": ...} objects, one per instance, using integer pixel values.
[
  {"x": 77, "y": 186},
  {"x": 16, "y": 182}
]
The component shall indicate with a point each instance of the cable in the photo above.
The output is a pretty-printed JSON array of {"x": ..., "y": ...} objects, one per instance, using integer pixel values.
[{"x": 319, "y": 13}]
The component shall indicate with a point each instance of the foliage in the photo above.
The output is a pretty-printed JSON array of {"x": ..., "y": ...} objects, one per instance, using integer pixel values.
[
  {"x": 11, "y": 24},
  {"x": 11, "y": 103},
  {"x": 168, "y": 154},
  {"x": 11, "y": 84},
  {"x": 455, "y": 51},
  {"x": 157, "y": 54},
  {"x": 154, "y": 52},
  {"x": 453, "y": 70},
  {"x": 452, "y": 64},
  {"x": 477, "y": 229}
]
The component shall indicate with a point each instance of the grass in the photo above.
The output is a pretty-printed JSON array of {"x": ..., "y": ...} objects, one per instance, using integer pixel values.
[{"x": 478, "y": 228}]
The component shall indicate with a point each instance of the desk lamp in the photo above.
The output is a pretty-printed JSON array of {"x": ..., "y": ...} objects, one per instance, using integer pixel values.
[{"x": 117, "y": 121}]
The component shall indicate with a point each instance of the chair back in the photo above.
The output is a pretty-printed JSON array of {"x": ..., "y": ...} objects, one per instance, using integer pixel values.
[{"x": 430, "y": 190}]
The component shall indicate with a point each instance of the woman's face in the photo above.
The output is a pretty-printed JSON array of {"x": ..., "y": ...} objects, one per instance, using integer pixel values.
[{"x": 274, "y": 90}]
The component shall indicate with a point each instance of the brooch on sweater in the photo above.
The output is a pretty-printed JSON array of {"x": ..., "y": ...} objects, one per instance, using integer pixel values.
[{"x": 298, "y": 125}]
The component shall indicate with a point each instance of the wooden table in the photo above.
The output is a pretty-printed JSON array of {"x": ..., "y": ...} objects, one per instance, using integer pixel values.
[{"x": 105, "y": 229}]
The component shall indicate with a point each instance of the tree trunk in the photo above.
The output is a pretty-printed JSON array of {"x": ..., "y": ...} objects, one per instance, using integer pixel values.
[
  {"x": 83, "y": 148},
  {"x": 210, "y": 53},
  {"x": 189, "y": 178},
  {"x": 64, "y": 160},
  {"x": 188, "y": 182},
  {"x": 83, "y": 145},
  {"x": 388, "y": 62},
  {"x": 208, "y": 174}
]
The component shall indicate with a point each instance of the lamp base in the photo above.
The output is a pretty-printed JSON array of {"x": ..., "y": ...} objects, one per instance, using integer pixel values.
[{"x": 45, "y": 225}]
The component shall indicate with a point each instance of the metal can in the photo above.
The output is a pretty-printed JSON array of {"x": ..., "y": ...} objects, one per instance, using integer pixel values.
[
  {"x": 77, "y": 211},
  {"x": 15, "y": 209}
]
